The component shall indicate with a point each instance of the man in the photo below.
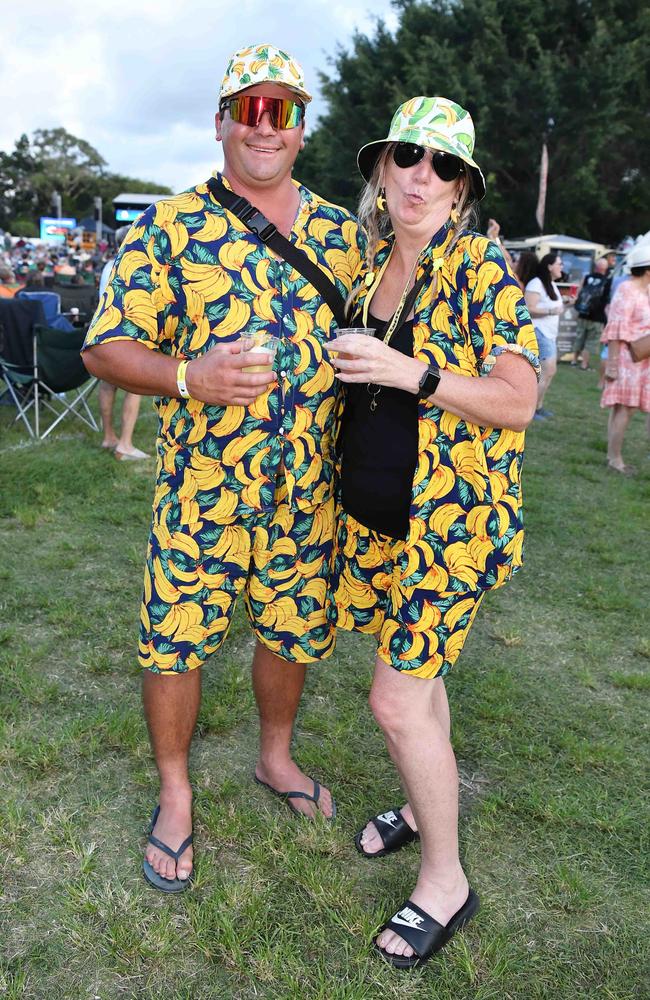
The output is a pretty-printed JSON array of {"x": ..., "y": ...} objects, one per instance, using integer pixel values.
[
  {"x": 244, "y": 488},
  {"x": 590, "y": 307},
  {"x": 121, "y": 445}
]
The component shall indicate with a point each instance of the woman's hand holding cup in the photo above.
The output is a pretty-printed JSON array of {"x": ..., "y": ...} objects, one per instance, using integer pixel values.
[{"x": 363, "y": 358}]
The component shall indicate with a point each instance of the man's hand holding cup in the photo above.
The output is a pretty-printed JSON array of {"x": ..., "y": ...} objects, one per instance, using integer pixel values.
[{"x": 224, "y": 376}]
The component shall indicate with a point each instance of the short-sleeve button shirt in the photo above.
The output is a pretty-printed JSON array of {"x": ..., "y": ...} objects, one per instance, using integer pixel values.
[
  {"x": 465, "y": 528},
  {"x": 190, "y": 276}
]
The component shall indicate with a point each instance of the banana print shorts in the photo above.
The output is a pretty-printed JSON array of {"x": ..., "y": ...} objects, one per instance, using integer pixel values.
[
  {"x": 279, "y": 558},
  {"x": 419, "y": 631}
]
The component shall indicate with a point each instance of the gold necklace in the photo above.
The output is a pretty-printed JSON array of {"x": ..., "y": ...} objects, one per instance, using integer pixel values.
[{"x": 395, "y": 321}]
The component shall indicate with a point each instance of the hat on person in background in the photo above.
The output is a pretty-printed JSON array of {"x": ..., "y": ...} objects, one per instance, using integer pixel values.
[
  {"x": 432, "y": 122},
  {"x": 638, "y": 256},
  {"x": 263, "y": 64}
]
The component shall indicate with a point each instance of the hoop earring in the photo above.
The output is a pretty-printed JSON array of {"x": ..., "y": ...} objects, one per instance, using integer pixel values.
[
  {"x": 454, "y": 215},
  {"x": 381, "y": 200}
]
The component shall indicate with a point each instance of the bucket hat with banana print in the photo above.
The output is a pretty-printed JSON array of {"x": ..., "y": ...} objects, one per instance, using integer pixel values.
[{"x": 432, "y": 122}]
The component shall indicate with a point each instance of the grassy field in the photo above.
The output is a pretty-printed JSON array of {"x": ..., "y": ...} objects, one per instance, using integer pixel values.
[{"x": 550, "y": 710}]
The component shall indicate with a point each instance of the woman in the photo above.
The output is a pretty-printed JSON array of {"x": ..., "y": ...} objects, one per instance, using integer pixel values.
[
  {"x": 627, "y": 383},
  {"x": 525, "y": 268},
  {"x": 545, "y": 305},
  {"x": 430, "y": 483}
]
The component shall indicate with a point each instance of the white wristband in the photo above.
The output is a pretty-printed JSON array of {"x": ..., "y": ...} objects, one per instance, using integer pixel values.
[{"x": 180, "y": 379}]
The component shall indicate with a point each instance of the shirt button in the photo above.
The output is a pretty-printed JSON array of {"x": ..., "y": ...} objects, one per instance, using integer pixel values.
[
  {"x": 281, "y": 431},
  {"x": 283, "y": 374}
]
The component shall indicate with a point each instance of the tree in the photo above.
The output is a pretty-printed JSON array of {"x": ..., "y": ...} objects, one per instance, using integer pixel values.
[
  {"x": 514, "y": 64},
  {"x": 17, "y": 199},
  {"x": 56, "y": 160}
]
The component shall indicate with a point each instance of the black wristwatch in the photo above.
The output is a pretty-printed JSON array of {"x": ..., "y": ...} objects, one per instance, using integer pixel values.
[{"x": 429, "y": 382}]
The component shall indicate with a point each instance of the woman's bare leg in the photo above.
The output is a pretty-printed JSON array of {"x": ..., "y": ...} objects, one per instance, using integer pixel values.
[{"x": 409, "y": 711}]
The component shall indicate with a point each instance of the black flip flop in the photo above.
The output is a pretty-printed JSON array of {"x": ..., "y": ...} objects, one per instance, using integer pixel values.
[
  {"x": 424, "y": 934},
  {"x": 287, "y": 796},
  {"x": 152, "y": 876},
  {"x": 394, "y": 831}
]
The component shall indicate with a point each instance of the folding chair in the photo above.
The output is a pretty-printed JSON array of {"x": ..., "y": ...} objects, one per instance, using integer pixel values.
[
  {"x": 17, "y": 321},
  {"x": 56, "y": 371},
  {"x": 16, "y": 384},
  {"x": 51, "y": 302}
]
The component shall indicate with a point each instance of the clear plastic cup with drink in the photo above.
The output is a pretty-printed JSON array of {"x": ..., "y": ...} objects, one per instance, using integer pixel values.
[
  {"x": 367, "y": 331},
  {"x": 259, "y": 342}
]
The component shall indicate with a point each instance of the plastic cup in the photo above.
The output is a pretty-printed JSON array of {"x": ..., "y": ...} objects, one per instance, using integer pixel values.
[
  {"x": 259, "y": 342},
  {"x": 366, "y": 330}
]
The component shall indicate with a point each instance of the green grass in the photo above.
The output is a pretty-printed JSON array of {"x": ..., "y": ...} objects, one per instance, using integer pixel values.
[{"x": 550, "y": 710}]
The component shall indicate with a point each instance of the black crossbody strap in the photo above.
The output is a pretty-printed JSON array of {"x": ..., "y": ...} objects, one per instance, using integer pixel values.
[{"x": 254, "y": 220}]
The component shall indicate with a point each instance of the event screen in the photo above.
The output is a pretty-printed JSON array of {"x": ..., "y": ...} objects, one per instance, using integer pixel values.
[{"x": 55, "y": 230}]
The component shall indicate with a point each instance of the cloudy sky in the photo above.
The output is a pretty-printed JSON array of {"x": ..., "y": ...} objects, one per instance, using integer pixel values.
[{"x": 138, "y": 79}]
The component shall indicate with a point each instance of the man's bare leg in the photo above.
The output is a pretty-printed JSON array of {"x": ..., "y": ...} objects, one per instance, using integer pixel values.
[
  {"x": 278, "y": 685},
  {"x": 171, "y": 705}
]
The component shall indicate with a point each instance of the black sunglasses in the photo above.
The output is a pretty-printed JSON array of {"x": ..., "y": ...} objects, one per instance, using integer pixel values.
[{"x": 445, "y": 165}]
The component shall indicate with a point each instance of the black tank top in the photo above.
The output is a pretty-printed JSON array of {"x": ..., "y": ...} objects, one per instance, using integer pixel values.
[{"x": 379, "y": 450}]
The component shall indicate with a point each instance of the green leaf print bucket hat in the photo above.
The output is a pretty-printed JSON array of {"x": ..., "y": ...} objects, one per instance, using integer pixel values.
[
  {"x": 432, "y": 122},
  {"x": 263, "y": 64}
]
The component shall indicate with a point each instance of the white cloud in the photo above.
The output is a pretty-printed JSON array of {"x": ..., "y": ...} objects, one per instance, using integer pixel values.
[{"x": 139, "y": 79}]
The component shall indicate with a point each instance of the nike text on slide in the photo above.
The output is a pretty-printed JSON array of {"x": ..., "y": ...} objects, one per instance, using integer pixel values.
[{"x": 407, "y": 918}]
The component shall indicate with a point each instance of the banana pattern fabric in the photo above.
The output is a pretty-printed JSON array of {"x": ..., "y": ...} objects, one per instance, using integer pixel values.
[
  {"x": 465, "y": 528},
  {"x": 190, "y": 276}
]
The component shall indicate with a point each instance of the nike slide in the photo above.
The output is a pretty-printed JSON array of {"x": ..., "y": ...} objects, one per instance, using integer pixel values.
[
  {"x": 424, "y": 934},
  {"x": 393, "y": 830},
  {"x": 152, "y": 876}
]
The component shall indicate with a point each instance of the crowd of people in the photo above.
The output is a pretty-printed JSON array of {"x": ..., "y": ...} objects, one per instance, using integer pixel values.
[{"x": 34, "y": 265}]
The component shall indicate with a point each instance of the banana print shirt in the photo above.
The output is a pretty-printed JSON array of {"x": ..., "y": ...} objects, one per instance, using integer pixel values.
[
  {"x": 189, "y": 276},
  {"x": 465, "y": 526}
]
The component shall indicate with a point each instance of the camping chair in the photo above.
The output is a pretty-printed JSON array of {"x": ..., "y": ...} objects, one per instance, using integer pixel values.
[
  {"x": 16, "y": 384},
  {"x": 51, "y": 302},
  {"x": 17, "y": 321},
  {"x": 81, "y": 297},
  {"x": 56, "y": 372}
]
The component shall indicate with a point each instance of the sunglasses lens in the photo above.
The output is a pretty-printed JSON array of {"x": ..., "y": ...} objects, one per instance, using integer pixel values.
[
  {"x": 289, "y": 113},
  {"x": 249, "y": 111},
  {"x": 242, "y": 110},
  {"x": 407, "y": 154},
  {"x": 446, "y": 166}
]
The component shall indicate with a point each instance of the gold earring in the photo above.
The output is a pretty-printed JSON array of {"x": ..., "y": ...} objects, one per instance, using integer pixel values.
[
  {"x": 381, "y": 200},
  {"x": 454, "y": 214}
]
